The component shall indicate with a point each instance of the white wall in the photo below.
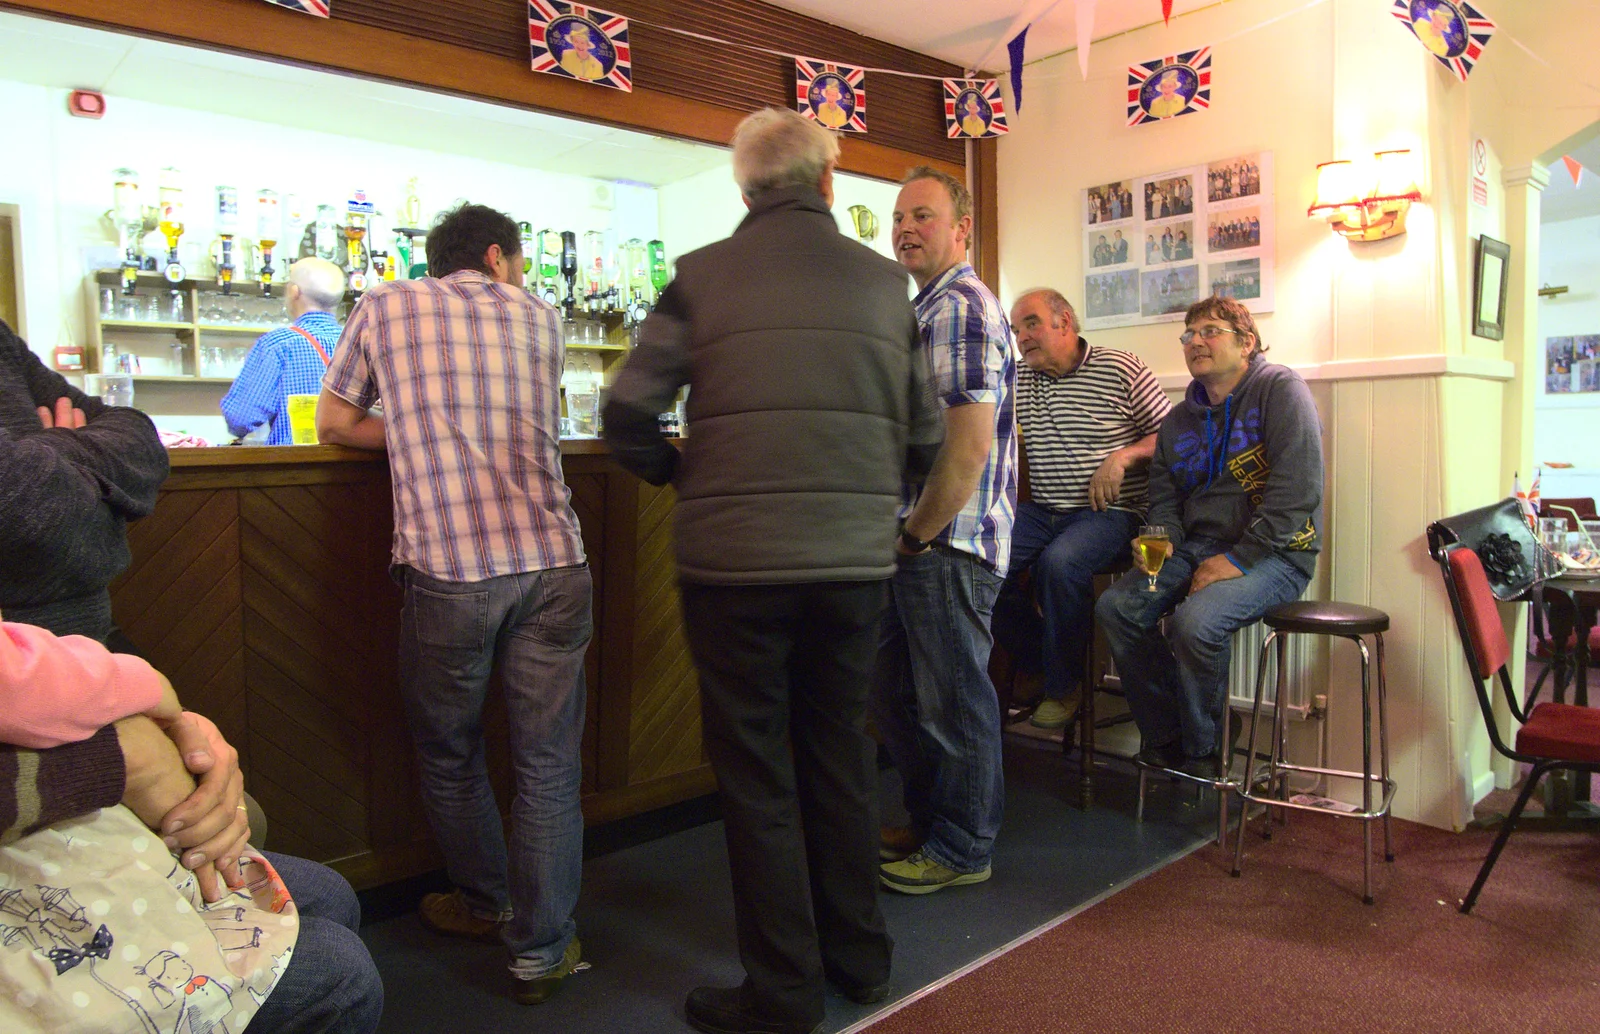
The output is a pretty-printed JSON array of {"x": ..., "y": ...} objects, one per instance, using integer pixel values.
[
  {"x": 1566, "y": 428},
  {"x": 64, "y": 187}
]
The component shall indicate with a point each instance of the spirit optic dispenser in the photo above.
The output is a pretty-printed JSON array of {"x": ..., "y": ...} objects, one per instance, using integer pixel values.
[
  {"x": 569, "y": 267},
  {"x": 227, "y": 229},
  {"x": 170, "y": 221},
  {"x": 128, "y": 216},
  {"x": 267, "y": 226},
  {"x": 525, "y": 240},
  {"x": 549, "y": 265}
]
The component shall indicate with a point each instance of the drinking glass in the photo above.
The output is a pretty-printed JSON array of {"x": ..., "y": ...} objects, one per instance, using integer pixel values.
[
  {"x": 116, "y": 389},
  {"x": 236, "y": 358},
  {"x": 211, "y": 361},
  {"x": 108, "y": 303},
  {"x": 1553, "y": 537},
  {"x": 1154, "y": 547}
]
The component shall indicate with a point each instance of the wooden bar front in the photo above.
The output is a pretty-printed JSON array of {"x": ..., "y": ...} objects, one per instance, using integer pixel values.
[{"x": 260, "y": 586}]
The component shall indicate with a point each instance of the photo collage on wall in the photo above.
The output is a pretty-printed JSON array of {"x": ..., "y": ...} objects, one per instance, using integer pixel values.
[
  {"x": 1155, "y": 245},
  {"x": 1572, "y": 364}
]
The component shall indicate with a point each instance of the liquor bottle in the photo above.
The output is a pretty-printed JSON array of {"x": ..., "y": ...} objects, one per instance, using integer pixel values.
[
  {"x": 170, "y": 221},
  {"x": 549, "y": 265},
  {"x": 358, "y": 211},
  {"x": 128, "y": 215},
  {"x": 593, "y": 257},
  {"x": 638, "y": 280},
  {"x": 658, "y": 269},
  {"x": 569, "y": 267},
  {"x": 227, "y": 229},
  {"x": 526, "y": 240},
  {"x": 267, "y": 226}
]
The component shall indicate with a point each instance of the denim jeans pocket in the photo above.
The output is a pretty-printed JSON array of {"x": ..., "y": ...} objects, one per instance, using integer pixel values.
[
  {"x": 565, "y": 620},
  {"x": 453, "y": 621}
]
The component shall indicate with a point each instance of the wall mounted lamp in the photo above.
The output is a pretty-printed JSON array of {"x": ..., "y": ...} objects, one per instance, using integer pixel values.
[{"x": 1370, "y": 202}]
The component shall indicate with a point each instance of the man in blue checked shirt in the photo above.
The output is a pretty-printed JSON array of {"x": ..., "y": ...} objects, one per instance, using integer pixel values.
[
  {"x": 934, "y": 702},
  {"x": 290, "y": 360}
]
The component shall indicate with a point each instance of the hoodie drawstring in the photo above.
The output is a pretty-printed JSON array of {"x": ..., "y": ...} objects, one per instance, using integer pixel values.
[{"x": 1214, "y": 461}]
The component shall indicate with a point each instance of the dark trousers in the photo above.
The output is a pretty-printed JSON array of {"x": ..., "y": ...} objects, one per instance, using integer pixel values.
[{"x": 784, "y": 675}]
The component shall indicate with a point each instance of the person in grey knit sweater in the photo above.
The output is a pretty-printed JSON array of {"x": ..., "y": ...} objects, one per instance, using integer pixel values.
[
  {"x": 1237, "y": 483},
  {"x": 73, "y": 472}
]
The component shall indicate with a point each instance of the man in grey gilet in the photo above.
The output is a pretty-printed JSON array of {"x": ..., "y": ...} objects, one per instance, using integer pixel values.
[{"x": 808, "y": 404}]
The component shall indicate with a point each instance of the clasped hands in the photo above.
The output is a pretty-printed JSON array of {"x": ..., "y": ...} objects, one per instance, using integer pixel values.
[{"x": 164, "y": 749}]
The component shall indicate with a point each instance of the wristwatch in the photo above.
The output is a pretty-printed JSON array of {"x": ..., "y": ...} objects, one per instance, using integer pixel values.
[{"x": 911, "y": 542}]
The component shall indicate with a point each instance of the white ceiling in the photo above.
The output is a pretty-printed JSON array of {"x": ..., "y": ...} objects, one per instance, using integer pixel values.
[
  {"x": 42, "y": 52},
  {"x": 1561, "y": 200},
  {"x": 967, "y": 33}
]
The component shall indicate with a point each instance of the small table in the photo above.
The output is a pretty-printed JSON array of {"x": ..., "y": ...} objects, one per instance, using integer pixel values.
[{"x": 1570, "y": 601}]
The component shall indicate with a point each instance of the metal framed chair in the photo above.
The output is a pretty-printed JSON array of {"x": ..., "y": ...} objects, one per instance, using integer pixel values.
[{"x": 1552, "y": 737}]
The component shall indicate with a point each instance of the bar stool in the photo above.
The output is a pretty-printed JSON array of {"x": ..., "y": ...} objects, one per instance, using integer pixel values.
[{"x": 1346, "y": 621}]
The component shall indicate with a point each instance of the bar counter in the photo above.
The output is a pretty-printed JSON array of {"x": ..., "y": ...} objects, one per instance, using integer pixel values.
[{"x": 260, "y": 586}]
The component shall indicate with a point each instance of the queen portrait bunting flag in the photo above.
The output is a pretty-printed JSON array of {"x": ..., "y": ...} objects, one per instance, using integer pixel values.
[
  {"x": 1453, "y": 32},
  {"x": 834, "y": 95},
  {"x": 1169, "y": 86},
  {"x": 973, "y": 109},
  {"x": 579, "y": 42},
  {"x": 318, "y": 8}
]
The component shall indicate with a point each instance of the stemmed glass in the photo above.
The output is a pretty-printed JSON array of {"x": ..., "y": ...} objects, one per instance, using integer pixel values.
[{"x": 1153, "y": 547}]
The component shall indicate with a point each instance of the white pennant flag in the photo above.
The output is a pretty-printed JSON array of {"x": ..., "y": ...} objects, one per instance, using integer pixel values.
[{"x": 1085, "y": 23}]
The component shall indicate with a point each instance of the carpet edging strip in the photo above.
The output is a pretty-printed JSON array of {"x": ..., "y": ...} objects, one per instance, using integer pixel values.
[{"x": 1016, "y": 942}]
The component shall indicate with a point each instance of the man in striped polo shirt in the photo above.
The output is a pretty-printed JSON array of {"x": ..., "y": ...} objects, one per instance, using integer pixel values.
[
  {"x": 1089, "y": 418},
  {"x": 934, "y": 703},
  {"x": 487, "y": 547}
]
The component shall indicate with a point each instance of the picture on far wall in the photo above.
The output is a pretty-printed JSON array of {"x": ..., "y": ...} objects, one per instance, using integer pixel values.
[
  {"x": 1572, "y": 364},
  {"x": 1169, "y": 291},
  {"x": 1109, "y": 203},
  {"x": 1111, "y": 294},
  {"x": 1209, "y": 226}
]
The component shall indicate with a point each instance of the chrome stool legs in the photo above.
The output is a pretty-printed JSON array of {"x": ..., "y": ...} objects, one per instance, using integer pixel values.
[{"x": 1277, "y": 769}]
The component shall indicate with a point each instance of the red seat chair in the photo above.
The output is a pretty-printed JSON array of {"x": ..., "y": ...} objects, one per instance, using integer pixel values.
[{"x": 1552, "y": 736}]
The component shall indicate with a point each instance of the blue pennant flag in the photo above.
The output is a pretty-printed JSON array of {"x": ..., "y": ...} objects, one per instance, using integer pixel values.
[{"x": 1015, "y": 48}]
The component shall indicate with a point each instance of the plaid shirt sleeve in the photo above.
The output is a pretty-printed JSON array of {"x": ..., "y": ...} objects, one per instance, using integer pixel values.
[
  {"x": 967, "y": 360},
  {"x": 349, "y": 368},
  {"x": 254, "y": 397}
]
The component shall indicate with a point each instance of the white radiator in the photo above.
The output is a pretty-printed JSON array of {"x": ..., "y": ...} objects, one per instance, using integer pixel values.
[{"x": 1299, "y": 658}]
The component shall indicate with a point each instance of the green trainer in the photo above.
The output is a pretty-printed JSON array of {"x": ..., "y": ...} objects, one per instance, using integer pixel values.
[
  {"x": 920, "y": 874},
  {"x": 1053, "y": 714},
  {"x": 544, "y": 986}
]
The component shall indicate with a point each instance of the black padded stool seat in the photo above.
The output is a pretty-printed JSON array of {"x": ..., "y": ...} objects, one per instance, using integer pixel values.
[{"x": 1327, "y": 617}]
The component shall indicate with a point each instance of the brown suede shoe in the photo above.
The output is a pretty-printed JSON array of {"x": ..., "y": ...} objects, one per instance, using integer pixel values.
[
  {"x": 896, "y": 843},
  {"x": 448, "y": 914}
]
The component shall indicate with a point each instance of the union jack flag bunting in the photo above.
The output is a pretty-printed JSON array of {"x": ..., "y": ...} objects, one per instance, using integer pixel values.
[
  {"x": 1453, "y": 32},
  {"x": 580, "y": 42},
  {"x": 315, "y": 7},
  {"x": 973, "y": 109},
  {"x": 834, "y": 95},
  {"x": 1179, "y": 84}
]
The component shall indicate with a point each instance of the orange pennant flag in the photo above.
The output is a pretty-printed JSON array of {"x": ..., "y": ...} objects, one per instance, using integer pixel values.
[{"x": 1574, "y": 169}]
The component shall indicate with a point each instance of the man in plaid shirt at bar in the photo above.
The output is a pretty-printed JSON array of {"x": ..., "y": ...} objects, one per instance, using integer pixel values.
[
  {"x": 934, "y": 702},
  {"x": 468, "y": 367}
]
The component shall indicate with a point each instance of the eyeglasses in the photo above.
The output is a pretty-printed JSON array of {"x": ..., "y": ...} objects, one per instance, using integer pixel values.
[{"x": 1206, "y": 334}]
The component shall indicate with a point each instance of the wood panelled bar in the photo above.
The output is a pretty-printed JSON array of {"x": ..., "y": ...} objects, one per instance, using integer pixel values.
[{"x": 260, "y": 586}]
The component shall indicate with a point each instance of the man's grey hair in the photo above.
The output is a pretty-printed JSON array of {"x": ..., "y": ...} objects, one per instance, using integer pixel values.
[
  {"x": 1058, "y": 304},
  {"x": 320, "y": 281},
  {"x": 775, "y": 148}
]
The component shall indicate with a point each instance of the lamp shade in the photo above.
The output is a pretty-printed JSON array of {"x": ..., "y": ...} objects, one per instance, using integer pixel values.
[
  {"x": 1336, "y": 188},
  {"x": 1397, "y": 177}
]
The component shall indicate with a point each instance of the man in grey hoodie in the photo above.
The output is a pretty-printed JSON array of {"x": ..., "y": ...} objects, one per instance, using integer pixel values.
[{"x": 1237, "y": 483}]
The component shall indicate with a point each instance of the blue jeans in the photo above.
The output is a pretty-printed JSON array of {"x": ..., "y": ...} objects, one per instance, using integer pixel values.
[
  {"x": 935, "y": 706},
  {"x": 330, "y": 985},
  {"x": 1065, "y": 550},
  {"x": 535, "y": 628},
  {"x": 1177, "y": 685}
]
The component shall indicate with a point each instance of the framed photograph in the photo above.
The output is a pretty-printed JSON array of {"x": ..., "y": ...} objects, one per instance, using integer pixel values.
[{"x": 1489, "y": 289}]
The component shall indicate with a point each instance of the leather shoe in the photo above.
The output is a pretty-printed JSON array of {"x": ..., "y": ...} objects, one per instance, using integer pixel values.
[
  {"x": 1165, "y": 755},
  {"x": 871, "y": 994},
  {"x": 723, "y": 1010}
]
